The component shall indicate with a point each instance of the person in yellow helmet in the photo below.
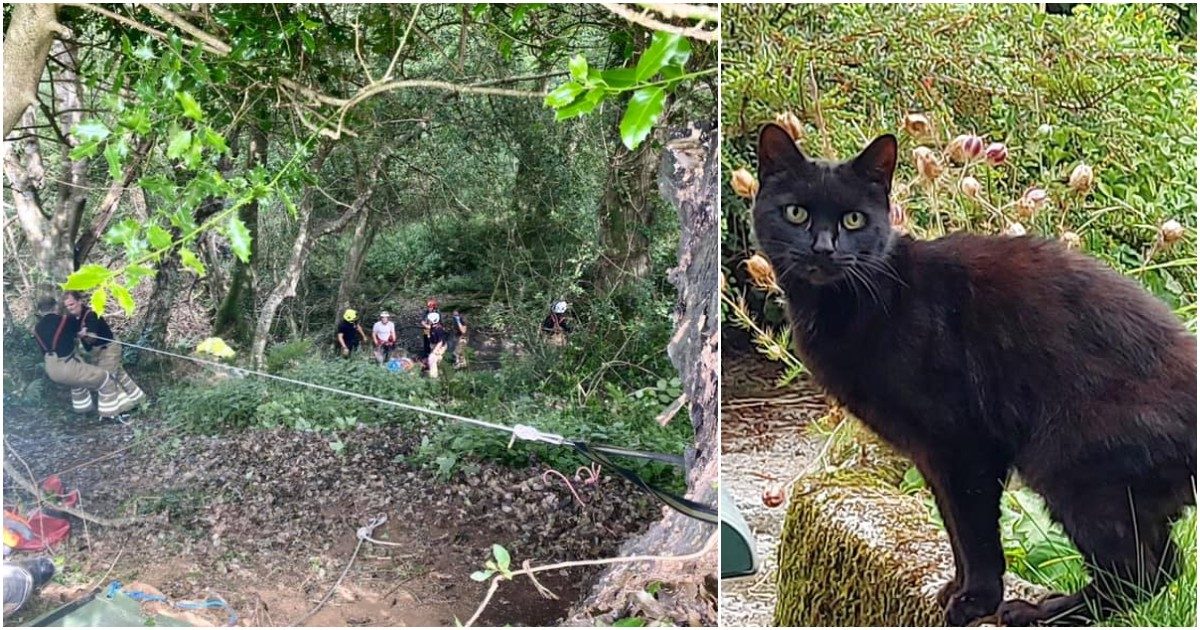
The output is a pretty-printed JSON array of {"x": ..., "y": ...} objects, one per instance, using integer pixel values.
[{"x": 349, "y": 332}]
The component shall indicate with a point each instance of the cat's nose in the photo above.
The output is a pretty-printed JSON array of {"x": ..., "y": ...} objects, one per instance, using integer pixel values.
[{"x": 823, "y": 244}]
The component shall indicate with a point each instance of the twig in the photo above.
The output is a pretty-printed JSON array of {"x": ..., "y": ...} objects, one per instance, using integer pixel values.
[
  {"x": 321, "y": 604},
  {"x": 667, "y": 415},
  {"x": 708, "y": 546},
  {"x": 646, "y": 20},
  {"x": 570, "y": 486},
  {"x": 403, "y": 40}
]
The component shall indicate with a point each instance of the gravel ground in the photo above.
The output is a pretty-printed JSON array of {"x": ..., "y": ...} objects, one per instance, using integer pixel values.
[{"x": 763, "y": 447}]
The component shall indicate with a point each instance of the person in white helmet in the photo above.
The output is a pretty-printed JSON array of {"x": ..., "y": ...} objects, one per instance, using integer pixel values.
[
  {"x": 437, "y": 342},
  {"x": 556, "y": 326},
  {"x": 384, "y": 333}
]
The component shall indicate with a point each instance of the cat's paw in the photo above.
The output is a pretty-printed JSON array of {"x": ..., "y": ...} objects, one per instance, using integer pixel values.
[
  {"x": 966, "y": 606},
  {"x": 946, "y": 592},
  {"x": 1017, "y": 612}
]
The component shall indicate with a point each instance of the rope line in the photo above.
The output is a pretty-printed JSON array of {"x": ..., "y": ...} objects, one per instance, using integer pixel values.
[{"x": 683, "y": 505}]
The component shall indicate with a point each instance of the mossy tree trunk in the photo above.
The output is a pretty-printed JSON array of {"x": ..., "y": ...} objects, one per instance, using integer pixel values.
[
  {"x": 688, "y": 178},
  {"x": 626, "y": 214}
]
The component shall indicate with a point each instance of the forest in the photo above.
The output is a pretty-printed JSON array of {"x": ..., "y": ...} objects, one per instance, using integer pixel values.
[{"x": 223, "y": 182}]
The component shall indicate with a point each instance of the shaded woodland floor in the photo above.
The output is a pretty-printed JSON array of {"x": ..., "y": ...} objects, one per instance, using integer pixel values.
[{"x": 267, "y": 520}]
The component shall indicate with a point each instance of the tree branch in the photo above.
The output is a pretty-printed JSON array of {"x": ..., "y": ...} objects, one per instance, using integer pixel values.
[
  {"x": 652, "y": 23},
  {"x": 108, "y": 206}
]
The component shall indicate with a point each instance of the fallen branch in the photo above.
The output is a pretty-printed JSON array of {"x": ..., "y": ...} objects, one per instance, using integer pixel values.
[
  {"x": 531, "y": 571},
  {"x": 654, "y": 24}
]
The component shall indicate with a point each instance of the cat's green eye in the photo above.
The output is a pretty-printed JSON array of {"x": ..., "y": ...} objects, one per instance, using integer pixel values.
[
  {"x": 795, "y": 213},
  {"x": 854, "y": 220}
]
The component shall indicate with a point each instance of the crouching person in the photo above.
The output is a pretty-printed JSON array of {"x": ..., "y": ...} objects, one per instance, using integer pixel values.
[
  {"x": 56, "y": 333},
  {"x": 95, "y": 335}
]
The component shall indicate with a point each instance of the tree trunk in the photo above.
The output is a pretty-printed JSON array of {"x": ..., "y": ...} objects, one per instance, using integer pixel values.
[
  {"x": 688, "y": 178},
  {"x": 626, "y": 211},
  {"x": 48, "y": 236},
  {"x": 348, "y": 291},
  {"x": 27, "y": 42},
  {"x": 157, "y": 312},
  {"x": 233, "y": 313}
]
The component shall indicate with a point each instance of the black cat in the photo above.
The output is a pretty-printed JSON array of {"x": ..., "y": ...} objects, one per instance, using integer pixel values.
[{"x": 980, "y": 355}]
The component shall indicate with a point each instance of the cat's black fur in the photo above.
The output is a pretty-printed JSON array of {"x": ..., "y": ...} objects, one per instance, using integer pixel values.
[{"x": 981, "y": 355}]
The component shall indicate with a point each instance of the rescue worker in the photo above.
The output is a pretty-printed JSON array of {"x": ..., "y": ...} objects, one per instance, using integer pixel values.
[
  {"x": 437, "y": 342},
  {"x": 349, "y": 333},
  {"x": 384, "y": 335},
  {"x": 556, "y": 325},
  {"x": 94, "y": 334},
  {"x": 55, "y": 334},
  {"x": 459, "y": 329},
  {"x": 430, "y": 307}
]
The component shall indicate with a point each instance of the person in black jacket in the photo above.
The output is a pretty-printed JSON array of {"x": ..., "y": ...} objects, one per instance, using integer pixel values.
[
  {"x": 349, "y": 333},
  {"x": 94, "y": 334},
  {"x": 55, "y": 334},
  {"x": 556, "y": 326}
]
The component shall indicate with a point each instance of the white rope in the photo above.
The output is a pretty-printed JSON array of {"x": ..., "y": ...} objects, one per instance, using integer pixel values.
[{"x": 518, "y": 431}]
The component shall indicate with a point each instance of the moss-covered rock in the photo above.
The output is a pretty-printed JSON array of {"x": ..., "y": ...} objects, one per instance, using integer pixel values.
[{"x": 856, "y": 552}]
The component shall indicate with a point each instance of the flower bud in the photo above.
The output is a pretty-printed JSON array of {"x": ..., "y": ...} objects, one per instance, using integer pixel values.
[
  {"x": 772, "y": 498},
  {"x": 1014, "y": 229},
  {"x": 744, "y": 184},
  {"x": 970, "y": 187},
  {"x": 896, "y": 215},
  {"x": 761, "y": 273},
  {"x": 1071, "y": 240},
  {"x": 927, "y": 163},
  {"x": 1170, "y": 232},
  {"x": 1082, "y": 179},
  {"x": 790, "y": 124},
  {"x": 996, "y": 153},
  {"x": 917, "y": 124},
  {"x": 1045, "y": 129},
  {"x": 964, "y": 148},
  {"x": 1037, "y": 197}
]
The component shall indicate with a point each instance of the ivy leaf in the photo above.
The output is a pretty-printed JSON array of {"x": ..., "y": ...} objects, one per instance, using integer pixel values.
[
  {"x": 664, "y": 49},
  {"x": 643, "y": 111},
  {"x": 99, "y": 300},
  {"x": 239, "y": 237},
  {"x": 159, "y": 238},
  {"x": 189, "y": 260},
  {"x": 181, "y": 141},
  {"x": 86, "y": 278},
  {"x": 191, "y": 108},
  {"x": 124, "y": 298},
  {"x": 563, "y": 94},
  {"x": 90, "y": 130},
  {"x": 502, "y": 558},
  {"x": 579, "y": 68}
]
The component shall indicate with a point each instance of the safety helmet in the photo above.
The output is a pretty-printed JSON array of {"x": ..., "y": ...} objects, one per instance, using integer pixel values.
[
  {"x": 385, "y": 314},
  {"x": 432, "y": 303},
  {"x": 560, "y": 307},
  {"x": 350, "y": 315},
  {"x": 433, "y": 317}
]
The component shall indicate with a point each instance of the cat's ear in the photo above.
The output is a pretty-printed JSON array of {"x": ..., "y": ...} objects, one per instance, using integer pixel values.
[
  {"x": 878, "y": 160},
  {"x": 776, "y": 150}
]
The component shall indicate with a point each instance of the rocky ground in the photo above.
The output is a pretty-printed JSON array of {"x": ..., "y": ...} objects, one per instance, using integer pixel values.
[
  {"x": 267, "y": 520},
  {"x": 764, "y": 445}
]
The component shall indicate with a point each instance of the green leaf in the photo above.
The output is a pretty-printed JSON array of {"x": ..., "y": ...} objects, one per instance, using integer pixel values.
[
  {"x": 159, "y": 238},
  {"x": 214, "y": 140},
  {"x": 135, "y": 273},
  {"x": 581, "y": 106},
  {"x": 122, "y": 232},
  {"x": 85, "y": 150},
  {"x": 191, "y": 108},
  {"x": 144, "y": 52},
  {"x": 86, "y": 278},
  {"x": 115, "y": 153},
  {"x": 189, "y": 260},
  {"x": 481, "y": 576},
  {"x": 665, "y": 48},
  {"x": 629, "y": 622},
  {"x": 619, "y": 77},
  {"x": 288, "y": 203},
  {"x": 563, "y": 94},
  {"x": 643, "y": 111},
  {"x": 502, "y": 558},
  {"x": 124, "y": 298},
  {"x": 239, "y": 237},
  {"x": 181, "y": 141},
  {"x": 99, "y": 300},
  {"x": 89, "y": 130},
  {"x": 579, "y": 68},
  {"x": 157, "y": 185},
  {"x": 137, "y": 121}
]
